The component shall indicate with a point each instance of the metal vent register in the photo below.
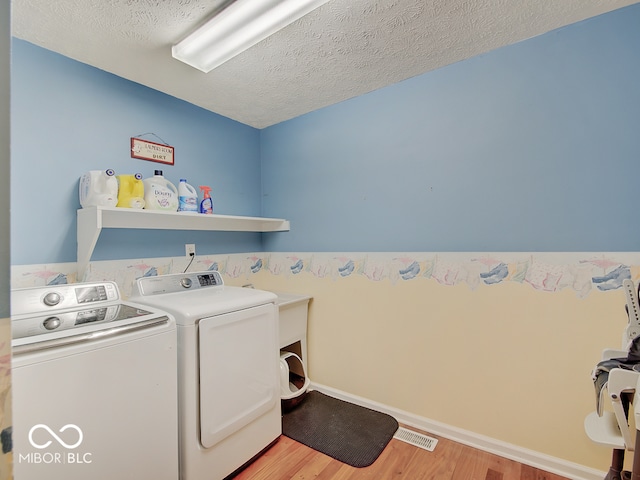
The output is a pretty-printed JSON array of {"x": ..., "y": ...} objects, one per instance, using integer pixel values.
[{"x": 417, "y": 439}]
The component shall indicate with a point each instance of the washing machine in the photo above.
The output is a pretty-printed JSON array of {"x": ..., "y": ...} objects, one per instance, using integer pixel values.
[
  {"x": 228, "y": 369},
  {"x": 94, "y": 381}
]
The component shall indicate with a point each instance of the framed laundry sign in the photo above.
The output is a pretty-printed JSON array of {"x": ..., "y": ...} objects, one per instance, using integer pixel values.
[{"x": 154, "y": 152}]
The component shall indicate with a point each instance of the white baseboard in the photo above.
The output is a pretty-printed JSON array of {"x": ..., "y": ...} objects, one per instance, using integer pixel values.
[{"x": 535, "y": 459}]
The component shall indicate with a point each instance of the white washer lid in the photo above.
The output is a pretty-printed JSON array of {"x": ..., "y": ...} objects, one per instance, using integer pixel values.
[{"x": 194, "y": 305}]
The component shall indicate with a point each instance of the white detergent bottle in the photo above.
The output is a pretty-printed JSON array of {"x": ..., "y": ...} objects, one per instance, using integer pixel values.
[
  {"x": 160, "y": 193},
  {"x": 98, "y": 187},
  {"x": 187, "y": 197}
]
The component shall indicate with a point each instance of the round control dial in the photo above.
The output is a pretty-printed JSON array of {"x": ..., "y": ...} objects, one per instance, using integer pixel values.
[
  {"x": 51, "y": 299},
  {"x": 51, "y": 323},
  {"x": 186, "y": 282}
]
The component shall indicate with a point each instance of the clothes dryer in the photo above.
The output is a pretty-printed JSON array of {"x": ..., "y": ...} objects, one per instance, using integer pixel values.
[{"x": 228, "y": 369}]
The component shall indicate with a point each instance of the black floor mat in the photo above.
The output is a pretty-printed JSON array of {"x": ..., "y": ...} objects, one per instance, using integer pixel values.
[{"x": 349, "y": 433}]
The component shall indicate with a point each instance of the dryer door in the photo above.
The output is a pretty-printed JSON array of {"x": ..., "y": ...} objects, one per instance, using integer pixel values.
[{"x": 239, "y": 362}]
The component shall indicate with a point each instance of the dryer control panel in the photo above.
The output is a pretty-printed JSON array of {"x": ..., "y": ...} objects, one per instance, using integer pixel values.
[{"x": 177, "y": 282}]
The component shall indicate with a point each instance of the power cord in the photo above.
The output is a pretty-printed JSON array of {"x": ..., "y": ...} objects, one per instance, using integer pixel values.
[{"x": 192, "y": 255}]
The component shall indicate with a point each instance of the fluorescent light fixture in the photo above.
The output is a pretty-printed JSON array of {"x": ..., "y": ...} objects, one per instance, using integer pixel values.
[{"x": 237, "y": 28}]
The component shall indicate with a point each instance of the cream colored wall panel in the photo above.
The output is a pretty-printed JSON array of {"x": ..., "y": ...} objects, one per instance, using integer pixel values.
[
  {"x": 505, "y": 361},
  {"x": 499, "y": 345}
]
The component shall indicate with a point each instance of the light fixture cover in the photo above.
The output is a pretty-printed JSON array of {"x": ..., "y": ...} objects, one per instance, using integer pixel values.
[{"x": 237, "y": 28}]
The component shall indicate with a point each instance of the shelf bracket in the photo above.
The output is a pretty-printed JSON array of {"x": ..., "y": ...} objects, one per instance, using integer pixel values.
[{"x": 89, "y": 228}]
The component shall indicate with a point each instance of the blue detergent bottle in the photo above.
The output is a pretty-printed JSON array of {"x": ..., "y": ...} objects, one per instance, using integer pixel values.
[{"x": 206, "y": 205}]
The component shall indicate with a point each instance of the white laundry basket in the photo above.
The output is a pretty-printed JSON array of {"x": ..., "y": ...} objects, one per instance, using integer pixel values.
[{"x": 294, "y": 381}]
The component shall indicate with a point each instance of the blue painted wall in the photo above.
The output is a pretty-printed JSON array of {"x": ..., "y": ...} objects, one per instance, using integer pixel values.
[
  {"x": 531, "y": 147},
  {"x": 69, "y": 118}
]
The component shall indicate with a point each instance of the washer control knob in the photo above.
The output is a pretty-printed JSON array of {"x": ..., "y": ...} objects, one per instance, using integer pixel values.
[
  {"x": 52, "y": 299},
  {"x": 186, "y": 282},
  {"x": 51, "y": 323}
]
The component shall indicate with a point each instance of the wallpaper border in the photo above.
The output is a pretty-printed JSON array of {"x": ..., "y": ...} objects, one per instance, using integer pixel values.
[{"x": 549, "y": 272}]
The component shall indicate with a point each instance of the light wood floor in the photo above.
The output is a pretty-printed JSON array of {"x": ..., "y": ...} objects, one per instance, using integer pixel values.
[{"x": 288, "y": 459}]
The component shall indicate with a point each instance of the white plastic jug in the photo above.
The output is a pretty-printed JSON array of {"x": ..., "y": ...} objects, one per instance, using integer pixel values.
[
  {"x": 98, "y": 187},
  {"x": 160, "y": 193},
  {"x": 187, "y": 197}
]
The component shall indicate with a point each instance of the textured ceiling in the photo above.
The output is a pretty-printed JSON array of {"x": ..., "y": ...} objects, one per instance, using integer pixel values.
[{"x": 341, "y": 50}]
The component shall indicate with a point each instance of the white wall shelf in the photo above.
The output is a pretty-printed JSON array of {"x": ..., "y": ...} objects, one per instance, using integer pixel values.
[{"x": 92, "y": 220}]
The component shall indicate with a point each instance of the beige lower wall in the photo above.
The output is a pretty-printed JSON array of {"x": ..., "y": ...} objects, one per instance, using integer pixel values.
[
  {"x": 506, "y": 361},
  {"x": 498, "y": 345}
]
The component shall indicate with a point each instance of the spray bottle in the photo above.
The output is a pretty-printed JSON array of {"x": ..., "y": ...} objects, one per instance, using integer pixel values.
[{"x": 206, "y": 205}]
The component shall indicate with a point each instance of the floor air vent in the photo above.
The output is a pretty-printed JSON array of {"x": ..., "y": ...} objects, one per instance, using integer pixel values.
[{"x": 417, "y": 439}]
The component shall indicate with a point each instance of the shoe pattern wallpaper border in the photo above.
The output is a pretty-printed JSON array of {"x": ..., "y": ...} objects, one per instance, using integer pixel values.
[{"x": 549, "y": 272}]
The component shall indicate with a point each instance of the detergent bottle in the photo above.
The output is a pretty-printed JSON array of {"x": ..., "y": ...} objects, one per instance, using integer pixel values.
[
  {"x": 187, "y": 197},
  {"x": 130, "y": 191},
  {"x": 160, "y": 193},
  {"x": 206, "y": 205},
  {"x": 98, "y": 187}
]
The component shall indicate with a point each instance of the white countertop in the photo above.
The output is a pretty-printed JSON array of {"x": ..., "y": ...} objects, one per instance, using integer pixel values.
[{"x": 286, "y": 299}]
